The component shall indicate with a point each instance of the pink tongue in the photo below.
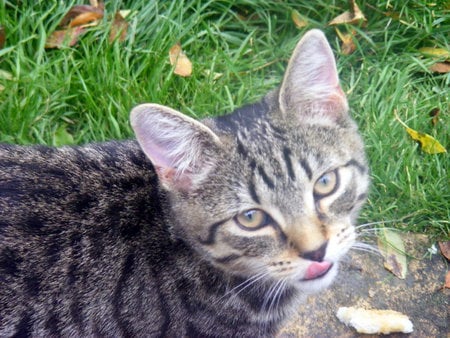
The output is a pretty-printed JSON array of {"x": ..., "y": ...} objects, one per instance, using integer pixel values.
[{"x": 317, "y": 269}]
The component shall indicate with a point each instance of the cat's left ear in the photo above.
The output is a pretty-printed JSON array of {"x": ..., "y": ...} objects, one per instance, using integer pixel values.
[
  {"x": 311, "y": 84},
  {"x": 181, "y": 148}
]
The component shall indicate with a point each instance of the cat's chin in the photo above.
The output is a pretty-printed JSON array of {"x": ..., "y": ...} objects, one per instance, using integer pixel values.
[{"x": 319, "y": 282}]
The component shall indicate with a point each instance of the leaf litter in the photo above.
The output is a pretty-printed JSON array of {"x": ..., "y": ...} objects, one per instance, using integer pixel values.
[
  {"x": 178, "y": 59},
  {"x": 81, "y": 17},
  {"x": 392, "y": 249},
  {"x": 427, "y": 142}
]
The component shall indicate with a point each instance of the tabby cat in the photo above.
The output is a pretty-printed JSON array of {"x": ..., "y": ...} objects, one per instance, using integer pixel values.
[{"x": 200, "y": 229}]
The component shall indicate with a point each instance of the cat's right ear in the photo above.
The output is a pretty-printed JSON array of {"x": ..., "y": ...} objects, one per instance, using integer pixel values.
[
  {"x": 181, "y": 148},
  {"x": 311, "y": 86}
]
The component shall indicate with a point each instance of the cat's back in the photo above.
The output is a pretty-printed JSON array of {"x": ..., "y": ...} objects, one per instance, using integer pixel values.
[{"x": 71, "y": 221}]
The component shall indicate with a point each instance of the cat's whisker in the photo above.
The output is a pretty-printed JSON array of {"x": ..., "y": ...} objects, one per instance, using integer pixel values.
[
  {"x": 244, "y": 285},
  {"x": 359, "y": 246},
  {"x": 375, "y": 223}
]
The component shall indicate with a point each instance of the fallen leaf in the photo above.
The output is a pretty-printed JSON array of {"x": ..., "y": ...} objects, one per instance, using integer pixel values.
[
  {"x": 298, "y": 19},
  {"x": 434, "y": 114},
  {"x": 2, "y": 36},
  {"x": 447, "y": 280},
  {"x": 428, "y": 144},
  {"x": 66, "y": 37},
  {"x": 183, "y": 65},
  {"x": 99, "y": 4},
  {"x": 348, "y": 45},
  {"x": 393, "y": 250},
  {"x": 353, "y": 16},
  {"x": 78, "y": 10},
  {"x": 445, "y": 249},
  {"x": 440, "y": 53},
  {"x": 440, "y": 67},
  {"x": 86, "y": 19},
  {"x": 118, "y": 29}
]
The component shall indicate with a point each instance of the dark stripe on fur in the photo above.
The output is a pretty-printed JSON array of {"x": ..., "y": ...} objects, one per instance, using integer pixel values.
[
  {"x": 306, "y": 168},
  {"x": 23, "y": 329},
  {"x": 212, "y": 233},
  {"x": 267, "y": 180},
  {"x": 252, "y": 191},
  {"x": 127, "y": 270},
  {"x": 241, "y": 148},
  {"x": 361, "y": 168},
  {"x": 361, "y": 197},
  {"x": 287, "y": 158},
  {"x": 227, "y": 259}
]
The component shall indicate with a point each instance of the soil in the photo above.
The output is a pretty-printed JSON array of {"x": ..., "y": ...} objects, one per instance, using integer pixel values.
[{"x": 364, "y": 282}]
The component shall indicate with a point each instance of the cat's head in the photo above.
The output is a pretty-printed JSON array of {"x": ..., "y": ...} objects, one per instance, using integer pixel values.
[{"x": 273, "y": 189}]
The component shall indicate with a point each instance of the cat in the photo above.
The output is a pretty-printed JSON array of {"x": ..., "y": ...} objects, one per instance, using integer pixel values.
[{"x": 212, "y": 228}]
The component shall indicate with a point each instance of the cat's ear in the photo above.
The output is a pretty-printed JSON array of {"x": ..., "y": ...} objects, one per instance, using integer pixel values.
[
  {"x": 311, "y": 83},
  {"x": 180, "y": 148}
]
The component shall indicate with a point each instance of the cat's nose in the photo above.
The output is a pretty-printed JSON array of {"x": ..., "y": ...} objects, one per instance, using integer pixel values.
[{"x": 316, "y": 255}]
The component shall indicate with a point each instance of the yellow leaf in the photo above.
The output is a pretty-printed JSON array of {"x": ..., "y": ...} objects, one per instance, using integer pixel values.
[
  {"x": 183, "y": 65},
  {"x": 393, "y": 250},
  {"x": 353, "y": 16},
  {"x": 348, "y": 45},
  {"x": 428, "y": 144},
  {"x": 298, "y": 19},
  {"x": 435, "y": 52}
]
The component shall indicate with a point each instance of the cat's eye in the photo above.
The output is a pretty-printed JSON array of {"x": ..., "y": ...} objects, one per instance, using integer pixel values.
[
  {"x": 326, "y": 184},
  {"x": 252, "y": 219}
]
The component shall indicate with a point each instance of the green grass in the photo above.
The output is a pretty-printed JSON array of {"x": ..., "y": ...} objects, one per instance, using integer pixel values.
[{"x": 84, "y": 93}]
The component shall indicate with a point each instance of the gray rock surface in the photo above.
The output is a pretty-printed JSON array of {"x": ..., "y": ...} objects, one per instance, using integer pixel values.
[{"x": 364, "y": 282}]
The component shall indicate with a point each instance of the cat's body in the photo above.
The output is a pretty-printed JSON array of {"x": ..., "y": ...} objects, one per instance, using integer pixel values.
[{"x": 198, "y": 229}]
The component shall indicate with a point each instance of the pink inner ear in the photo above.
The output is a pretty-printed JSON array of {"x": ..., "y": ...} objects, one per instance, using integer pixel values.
[
  {"x": 173, "y": 178},
  {"x": 156, "y": 154}
]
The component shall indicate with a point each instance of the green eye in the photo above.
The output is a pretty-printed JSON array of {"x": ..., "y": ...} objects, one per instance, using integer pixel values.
[
  {"x": 252, "y": 219},
  {"x": 326, "y": 184}
]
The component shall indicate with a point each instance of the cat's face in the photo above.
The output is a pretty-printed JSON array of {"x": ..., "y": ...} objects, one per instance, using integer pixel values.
[
  {"x": 272, "y": 190},
  {"x": 279, "y": 204}
]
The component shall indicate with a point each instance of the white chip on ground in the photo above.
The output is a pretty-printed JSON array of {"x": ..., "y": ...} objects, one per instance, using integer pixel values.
[{"x": 375, "y": 321}]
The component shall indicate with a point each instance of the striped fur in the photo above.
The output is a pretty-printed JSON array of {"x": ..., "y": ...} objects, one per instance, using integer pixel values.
[{"x": 215, "y": 228}]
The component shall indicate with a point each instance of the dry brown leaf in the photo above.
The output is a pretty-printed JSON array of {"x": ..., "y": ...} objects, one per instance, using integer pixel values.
[
  {"x": 299, "y": 20},
  {"x": 434, "y": 114},
  {"x": 348, "y": 45},
  {"x": 352, "y": 16},
  {"x": 2, "y": 36},
  {"x": 66, "y": 37},
  {"x": 87, "y": 18},
  {"x": 447, "y": 280},
  {"x": 119, "y": 29},
  {"x": 183, "y": 65},
  {"x": 440, "y": 67},
  {"x": 445, "y": 249},
  {"x": 76, "y": 11}
]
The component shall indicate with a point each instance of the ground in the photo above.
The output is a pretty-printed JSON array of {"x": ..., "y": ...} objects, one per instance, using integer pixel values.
[{"x": 364, "y": 282}]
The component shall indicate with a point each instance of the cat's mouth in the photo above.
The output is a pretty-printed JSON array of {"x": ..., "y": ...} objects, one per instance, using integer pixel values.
[{"x": 317, "y": 270}]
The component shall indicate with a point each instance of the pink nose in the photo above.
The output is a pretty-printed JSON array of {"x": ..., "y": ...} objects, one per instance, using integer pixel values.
[{"x": 317, "y": 269}]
